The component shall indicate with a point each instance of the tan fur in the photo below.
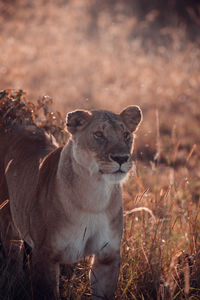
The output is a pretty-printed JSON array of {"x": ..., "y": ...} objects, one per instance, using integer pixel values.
[{"x": 69, "y": 205}]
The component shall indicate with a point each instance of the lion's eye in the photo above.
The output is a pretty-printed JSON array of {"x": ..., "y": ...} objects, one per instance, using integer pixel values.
[
  {"x": 99, "y": 135},
  {"x": 127, "y": 136}
]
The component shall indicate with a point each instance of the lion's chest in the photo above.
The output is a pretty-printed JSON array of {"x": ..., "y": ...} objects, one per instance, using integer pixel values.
[{"x": 89, "y": 235}]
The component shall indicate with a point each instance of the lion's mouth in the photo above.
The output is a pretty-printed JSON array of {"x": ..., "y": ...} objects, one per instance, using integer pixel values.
[{"x": 119, "y": 171}]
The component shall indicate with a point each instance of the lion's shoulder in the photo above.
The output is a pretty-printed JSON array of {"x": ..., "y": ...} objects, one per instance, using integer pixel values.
[
  {"x": 48, "y": 168},
  {"x": 50, "y": 162}
]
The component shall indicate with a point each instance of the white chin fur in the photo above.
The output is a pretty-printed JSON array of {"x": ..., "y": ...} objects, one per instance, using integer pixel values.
[{"x": 115, "y": 177}]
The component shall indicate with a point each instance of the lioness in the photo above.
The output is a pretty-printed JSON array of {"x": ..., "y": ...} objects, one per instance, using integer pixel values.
[{"x": 66, "y": 203}]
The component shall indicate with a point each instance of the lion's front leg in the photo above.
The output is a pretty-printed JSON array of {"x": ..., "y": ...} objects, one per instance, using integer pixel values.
[
  {"x": 104, "y": 275},
  {"x": 44, "y": 277},
  {"x": 12, "y": 259}
]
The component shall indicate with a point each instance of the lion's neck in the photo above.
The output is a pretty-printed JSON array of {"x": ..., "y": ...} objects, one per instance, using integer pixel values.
[{"x": 76, "y": 184}]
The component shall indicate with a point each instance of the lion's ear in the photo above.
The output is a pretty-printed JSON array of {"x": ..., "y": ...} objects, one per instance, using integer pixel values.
[
  {"x": 132, "y": 116},
  {"x": 77, "y": 120}
]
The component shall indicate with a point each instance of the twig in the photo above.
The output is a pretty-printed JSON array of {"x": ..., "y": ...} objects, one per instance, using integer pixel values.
[{"x": 126, "y": 213}]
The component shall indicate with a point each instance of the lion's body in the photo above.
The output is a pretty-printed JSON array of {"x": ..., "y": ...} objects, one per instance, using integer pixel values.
[
  {"x": 66, "y": 202},
  {"x": 24, "y": 152}
]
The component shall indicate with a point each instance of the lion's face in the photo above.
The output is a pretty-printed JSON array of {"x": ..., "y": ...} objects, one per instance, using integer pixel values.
[{"x": 103, "y": 141}]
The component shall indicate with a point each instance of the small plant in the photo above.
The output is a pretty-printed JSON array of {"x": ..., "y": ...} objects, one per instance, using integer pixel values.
[{"x": 16, "y": 109}]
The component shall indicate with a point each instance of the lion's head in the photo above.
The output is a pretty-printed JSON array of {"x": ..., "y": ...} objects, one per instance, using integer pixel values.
[{"x": 103, "y": 141}]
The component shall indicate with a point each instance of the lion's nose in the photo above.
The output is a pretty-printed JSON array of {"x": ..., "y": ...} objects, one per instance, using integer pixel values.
[{"x": 120, "y": 159}]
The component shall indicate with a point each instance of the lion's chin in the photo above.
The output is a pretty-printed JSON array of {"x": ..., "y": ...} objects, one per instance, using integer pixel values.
[{"x": 115, "y": 177}]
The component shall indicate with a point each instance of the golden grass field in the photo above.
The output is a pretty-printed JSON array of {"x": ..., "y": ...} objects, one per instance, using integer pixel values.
[{"x": 83, "y": 55}]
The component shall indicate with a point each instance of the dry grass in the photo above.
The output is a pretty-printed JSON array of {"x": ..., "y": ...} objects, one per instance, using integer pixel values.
[{"x": 84, "y": 59}]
